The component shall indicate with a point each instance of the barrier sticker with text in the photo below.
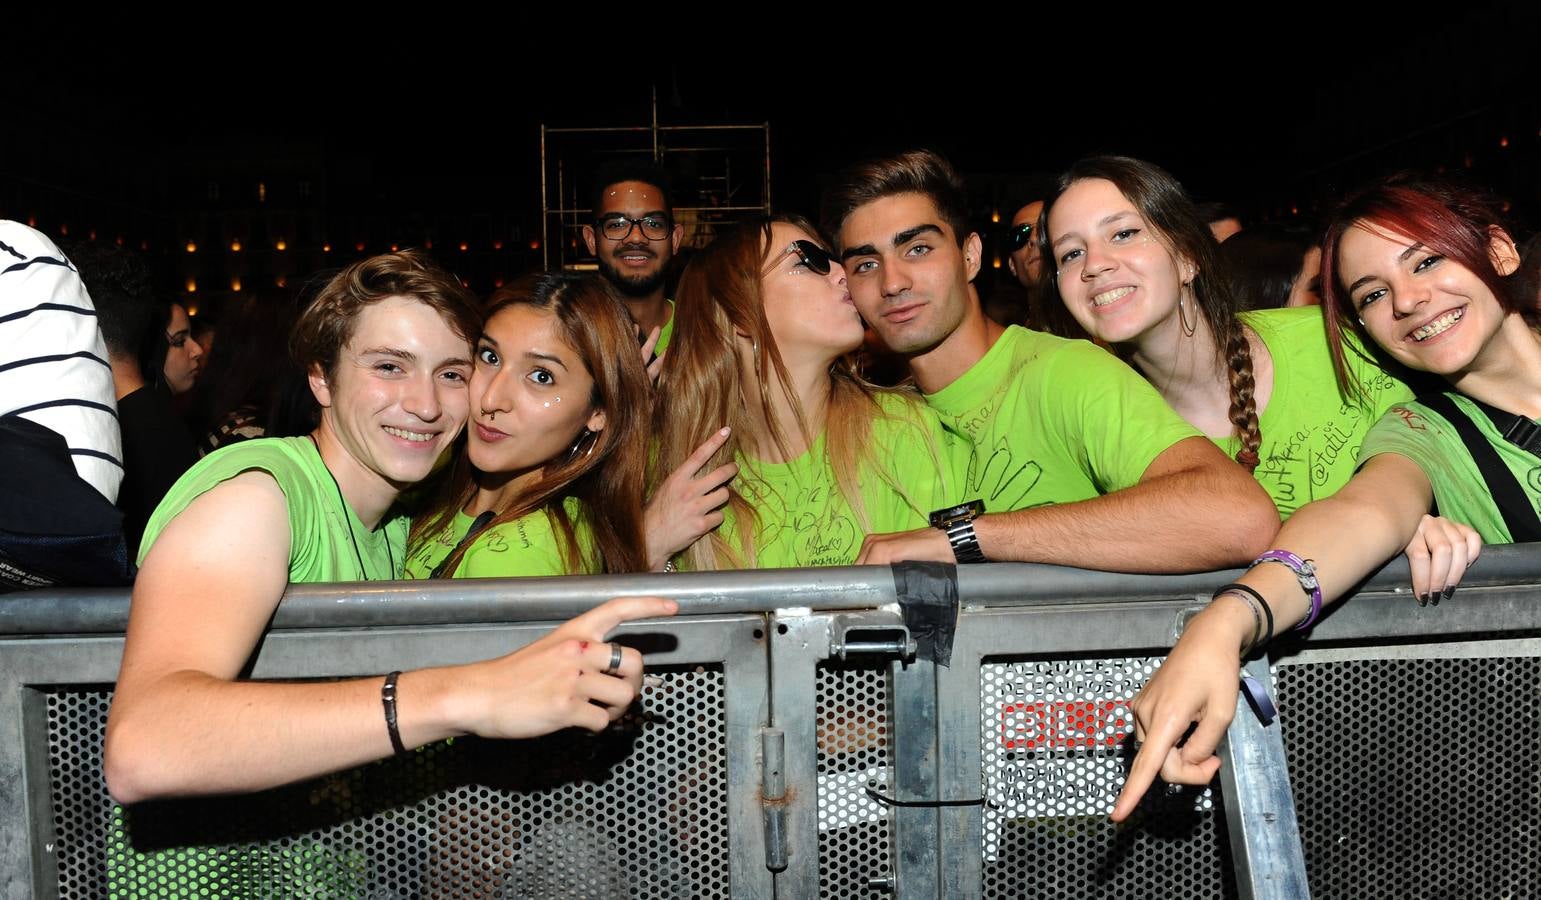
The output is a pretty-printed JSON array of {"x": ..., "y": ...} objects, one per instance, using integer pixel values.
[{"x": 1054, "y": 735}]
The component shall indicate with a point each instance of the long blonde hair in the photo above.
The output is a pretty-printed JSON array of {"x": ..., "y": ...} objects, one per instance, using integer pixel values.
[{"x": 703, "y": 387}]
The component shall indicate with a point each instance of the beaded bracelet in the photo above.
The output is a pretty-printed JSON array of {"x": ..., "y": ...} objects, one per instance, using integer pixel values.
[{"x": 1305, "y": 572}]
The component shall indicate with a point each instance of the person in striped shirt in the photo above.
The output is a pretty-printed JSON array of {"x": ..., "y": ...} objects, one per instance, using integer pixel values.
[{"x": 53, "y": 362}]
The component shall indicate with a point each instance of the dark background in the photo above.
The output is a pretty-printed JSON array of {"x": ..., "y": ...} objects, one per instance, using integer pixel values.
[{"x": 329, "y": 132}]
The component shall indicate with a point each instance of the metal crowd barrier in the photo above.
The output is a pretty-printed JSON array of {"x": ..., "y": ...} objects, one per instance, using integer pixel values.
[{"x": 799, "y": 740}]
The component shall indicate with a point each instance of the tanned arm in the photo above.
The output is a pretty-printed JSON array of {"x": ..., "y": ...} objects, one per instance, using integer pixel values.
[
  {"x": 180, "y": 724},
  {"x": 1193, "y": 510}
]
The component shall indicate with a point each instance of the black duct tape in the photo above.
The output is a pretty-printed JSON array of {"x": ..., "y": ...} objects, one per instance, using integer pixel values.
[{"x": 928, "y": 595}]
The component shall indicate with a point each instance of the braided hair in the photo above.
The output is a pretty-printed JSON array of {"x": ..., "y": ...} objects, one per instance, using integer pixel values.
[{"x": 1166, "y": 207}]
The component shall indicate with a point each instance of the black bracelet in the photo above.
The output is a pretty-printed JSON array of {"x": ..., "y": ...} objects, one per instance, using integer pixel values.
[
  {"x": 388, "y": 699},
  {"x": 1250, "y": 591}
]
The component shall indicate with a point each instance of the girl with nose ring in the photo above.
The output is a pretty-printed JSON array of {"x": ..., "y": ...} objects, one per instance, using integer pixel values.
[
  {"x": 1422, "y": 271},
  {"x": 764, "y": 340},
  {"x": 551, "y": 479}
]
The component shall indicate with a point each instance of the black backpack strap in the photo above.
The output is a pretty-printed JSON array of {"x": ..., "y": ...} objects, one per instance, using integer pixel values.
[
  {"x": 1516, "y": 429},
  {"x": 1507, "y": 492}
]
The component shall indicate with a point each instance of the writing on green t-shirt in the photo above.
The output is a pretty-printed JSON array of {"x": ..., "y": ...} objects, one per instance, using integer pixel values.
[
  {"x": 802, "y": 518},
  {"x": 1461, "y": 493},
  {"x": 527, "y": 546},
  {"x": 1311, "y": 433},
  {"x": 1049, "y": 420}
]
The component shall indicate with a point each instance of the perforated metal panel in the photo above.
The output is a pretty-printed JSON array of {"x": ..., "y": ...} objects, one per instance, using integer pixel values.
[
  {"x": 855, "y": 748},
  {"x": 76, "y": 722},
  {"x": 1416, "y": 777},
  {"x": 640, "y": 811},
  {"x": 1053, "y": 756}
]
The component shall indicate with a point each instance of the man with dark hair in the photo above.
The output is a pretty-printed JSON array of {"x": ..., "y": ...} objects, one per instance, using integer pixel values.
[
  {"x": 634, "y": 236},
  {"x": 157, "y": 447},
  {"x": 1077, "y": 460},
  {"x": 387, "y": 345}
]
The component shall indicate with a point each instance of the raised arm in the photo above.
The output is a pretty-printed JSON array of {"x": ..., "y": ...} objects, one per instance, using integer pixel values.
[
  {"x": 181, "y": 724},
  {"x": 1193, "y": 510},
  {"x": 688, "y": 503},
  {"x": 1381, "y": 511}
]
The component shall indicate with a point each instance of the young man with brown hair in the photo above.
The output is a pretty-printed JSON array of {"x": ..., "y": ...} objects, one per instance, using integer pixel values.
[
  {"x": 387, "y": 344},
  {"x": 1077, "y": 460}
]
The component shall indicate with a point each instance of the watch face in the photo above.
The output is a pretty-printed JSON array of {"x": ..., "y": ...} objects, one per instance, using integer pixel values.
[{"x": 965, "y": 512}]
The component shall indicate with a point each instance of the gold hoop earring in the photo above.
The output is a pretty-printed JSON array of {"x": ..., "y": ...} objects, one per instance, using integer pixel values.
[{"x": 1182, "y": 317}]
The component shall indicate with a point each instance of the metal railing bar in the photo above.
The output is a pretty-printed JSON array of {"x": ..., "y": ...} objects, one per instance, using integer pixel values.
[{"x": 357, "y": 604}]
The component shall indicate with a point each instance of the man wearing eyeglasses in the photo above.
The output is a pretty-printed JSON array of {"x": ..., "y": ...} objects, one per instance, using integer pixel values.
[
  {"x": 633, "y": 237},
  {"x": 1077, "y": 460}
]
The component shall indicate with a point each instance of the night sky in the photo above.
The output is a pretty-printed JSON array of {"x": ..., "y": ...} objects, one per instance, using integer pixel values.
[{"x": 443, "y": 115}]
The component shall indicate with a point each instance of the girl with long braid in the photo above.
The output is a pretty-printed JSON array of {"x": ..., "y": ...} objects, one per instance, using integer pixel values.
[
  {"x": 1135, "y": 267},
  {"x": 1423, "y": 273}
]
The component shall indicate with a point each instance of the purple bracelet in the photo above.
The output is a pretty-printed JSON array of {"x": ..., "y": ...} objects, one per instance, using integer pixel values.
[{"x": 1305, "y": 571}]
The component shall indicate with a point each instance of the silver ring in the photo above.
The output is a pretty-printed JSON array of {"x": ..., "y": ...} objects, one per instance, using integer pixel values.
[{"x": 615, "y": 660}]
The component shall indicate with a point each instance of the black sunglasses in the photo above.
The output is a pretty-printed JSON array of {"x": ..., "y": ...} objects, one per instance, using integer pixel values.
[
  {"x": 813, "y": 256},
  {"x": 1020, "y": 235}
]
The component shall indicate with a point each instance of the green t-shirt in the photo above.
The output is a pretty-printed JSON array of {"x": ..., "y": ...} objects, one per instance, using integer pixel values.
[
  {"x": 1054, "y": 421},
  {"x": 327, "y": 542},
  {"x": 1311, "y": 432},
  {"x": 1429, "y": 440},
  {"x": 803, "y": 519},
  {"x": 529, "y": 545},
  {"x": 322, "y": 535},
  {"x": 666, "y": 333}
]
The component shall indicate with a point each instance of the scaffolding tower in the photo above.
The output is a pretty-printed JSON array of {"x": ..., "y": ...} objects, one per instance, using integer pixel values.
[{"x": 718, "y": 175}]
